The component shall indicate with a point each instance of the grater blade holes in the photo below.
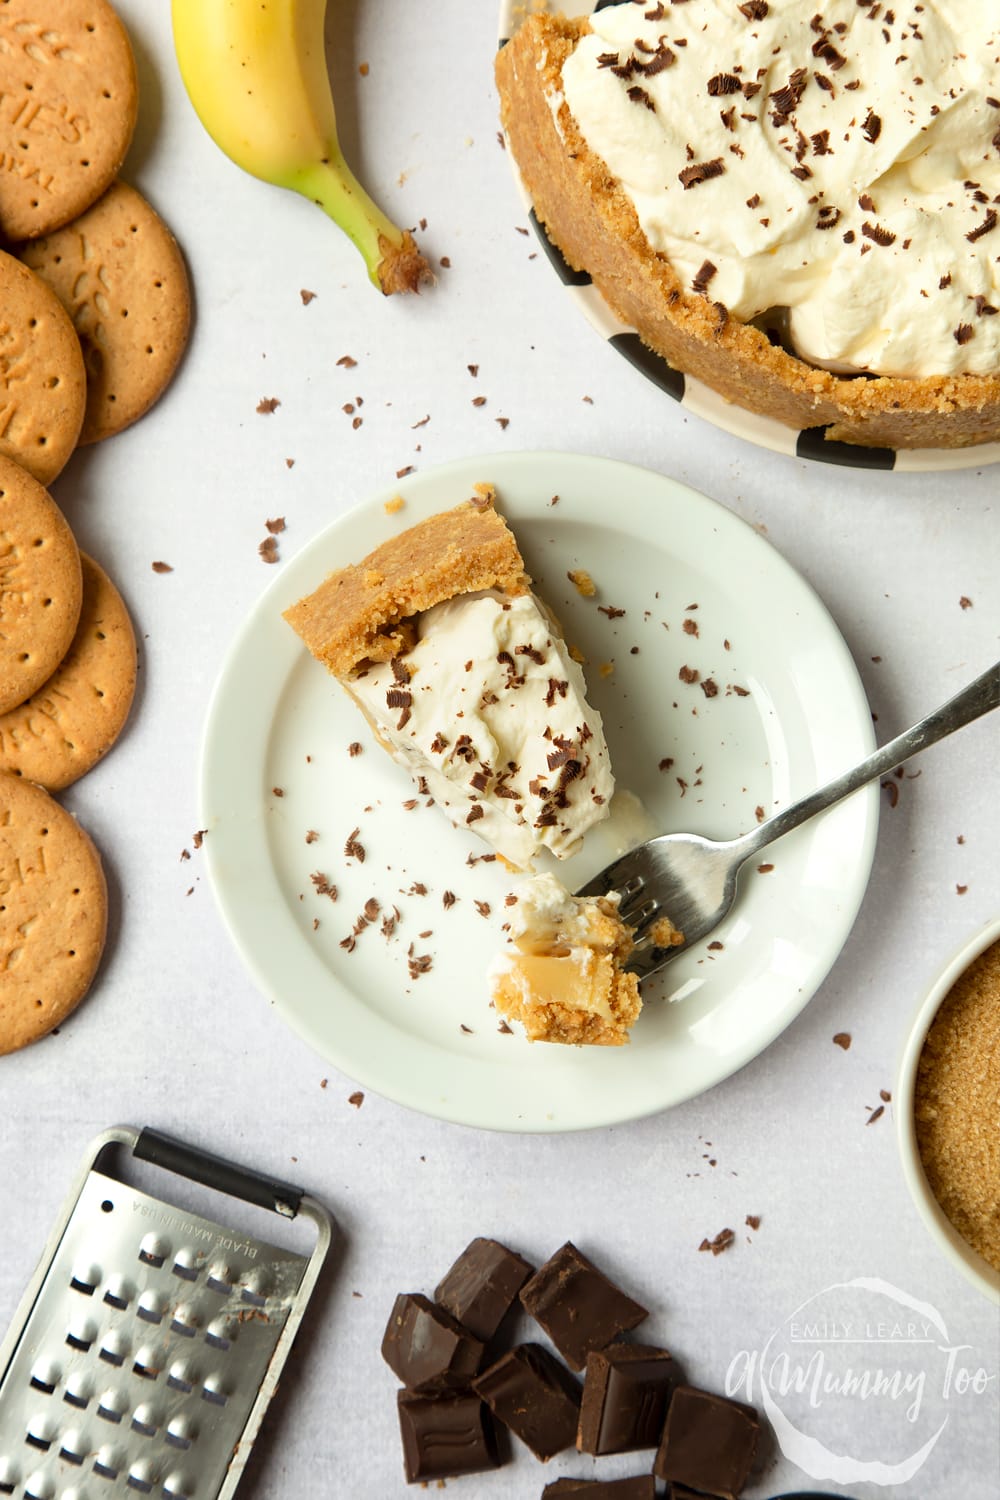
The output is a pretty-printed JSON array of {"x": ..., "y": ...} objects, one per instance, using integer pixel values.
[
  {"x": 108, "y": 1462},
  {"x": 182, "y": 1377},
  {"x": 71, "y": 1455},
  {"x": 39, "y": 1487},
  {"x": 151, "y": 1307},
  {"x": 220, "y": 1333},
  {"x": 185, "y": 1321},
  {"x": 178, "y": 1487},
  {"x": 78, "y": 1390},
  {"x": 119, "y": 1292},
  {"x": 141, "y": 1477},
  {"x": 114, "y": 1349},
  {"x": 146, "y": 1419},
  {"x": 220, "y": 1279},
  {"x": 45, "y": 1377},
  {"x": 181, "y": 1432},
  {"x": 187, "y": 1265},
  {"x": 85, "y": 1278},
  {"x": 111, "y": 1407},
  {"x": 153, "y": 1251},
  {"x": 42, "y": 1433}
]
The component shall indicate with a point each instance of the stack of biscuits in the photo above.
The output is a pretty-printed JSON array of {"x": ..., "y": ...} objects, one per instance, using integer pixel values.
[{"x": 94, "y": 316}]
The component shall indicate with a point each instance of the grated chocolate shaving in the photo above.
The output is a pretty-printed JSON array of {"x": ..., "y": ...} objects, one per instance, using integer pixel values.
[
  {"x": 702, "y": 277},
  {"x": 700, "y": 171},
  {"x": 878, "y": 233},
  {"x": 724, "y": 83},
  {"x": 353, "y": 849},
  {"x": 639, "y": 96},
  {"x": 988, "y": 224}
]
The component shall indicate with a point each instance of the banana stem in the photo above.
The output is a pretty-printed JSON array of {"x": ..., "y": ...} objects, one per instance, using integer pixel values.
[{"x": 390, "y": 253}]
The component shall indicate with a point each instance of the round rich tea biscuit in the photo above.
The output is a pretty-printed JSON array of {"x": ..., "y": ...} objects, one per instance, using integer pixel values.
[
  {"x": 41, "y": 585},
  {"x": 53, "y": 913},
  {"x": 77, "y": 715},
  {"x": 43, "y": 382},
  {"x": 68, "y": 106},
  {"x": 118, "y": 272}
]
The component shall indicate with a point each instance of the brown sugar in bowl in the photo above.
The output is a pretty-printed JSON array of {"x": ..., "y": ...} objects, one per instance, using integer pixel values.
[{"x": 948, "y": 1110}]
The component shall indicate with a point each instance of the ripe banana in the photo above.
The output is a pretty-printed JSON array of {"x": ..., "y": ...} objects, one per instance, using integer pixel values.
[{"x": 256, "y": 73}]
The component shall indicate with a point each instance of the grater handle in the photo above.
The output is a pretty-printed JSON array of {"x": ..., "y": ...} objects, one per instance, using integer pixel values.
[{"x": 215, "y": 1172}]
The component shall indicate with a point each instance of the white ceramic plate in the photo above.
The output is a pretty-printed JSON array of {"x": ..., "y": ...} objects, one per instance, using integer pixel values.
[
  {"x": 692, "y": 394},
  {"x": 666, "y": 555}
]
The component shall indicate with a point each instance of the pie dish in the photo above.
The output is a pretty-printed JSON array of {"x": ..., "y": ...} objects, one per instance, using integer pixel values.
[{"x": 596, "y": 227}]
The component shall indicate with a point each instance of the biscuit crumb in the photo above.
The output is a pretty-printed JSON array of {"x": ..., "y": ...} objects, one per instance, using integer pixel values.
[
  {"x": 395, "y": 504},
  {"x": 582, "y": 582}
]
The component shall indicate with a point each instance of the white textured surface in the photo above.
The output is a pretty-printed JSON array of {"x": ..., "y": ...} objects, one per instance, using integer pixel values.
[{"x": 175, "y": 1035}]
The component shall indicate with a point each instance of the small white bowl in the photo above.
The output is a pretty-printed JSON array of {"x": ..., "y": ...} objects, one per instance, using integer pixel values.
[{"x": 961, "y": 1254}]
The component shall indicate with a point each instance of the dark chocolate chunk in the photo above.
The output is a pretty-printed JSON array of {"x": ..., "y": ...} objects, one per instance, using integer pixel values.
[
  {"x": 425, "y": 1346},
  {"x": 535, "y": 1396},
  {"x": 708, "y": 1443},
  {"x": 626, "y": 1393},
  {"x": 636, "y": 1487},
  {"x": 445, "y": 1435},
  {"x": 576, "y": 1304},
  {"x": 482, "y": 1285}
]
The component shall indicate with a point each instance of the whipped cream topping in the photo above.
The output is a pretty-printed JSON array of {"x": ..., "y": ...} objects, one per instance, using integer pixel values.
[
  {"x": 490, "y": 709},
  {"x": 836, "y": 158}
]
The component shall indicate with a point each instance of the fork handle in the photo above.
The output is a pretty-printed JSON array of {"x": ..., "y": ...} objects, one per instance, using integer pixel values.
[{"x": 972, "y": 702}]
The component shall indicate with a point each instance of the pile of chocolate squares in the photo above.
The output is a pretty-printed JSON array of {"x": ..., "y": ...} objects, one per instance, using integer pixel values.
[{"x": 457, "y": 1387}]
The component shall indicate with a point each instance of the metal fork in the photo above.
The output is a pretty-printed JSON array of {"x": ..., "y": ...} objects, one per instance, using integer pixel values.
[{"x": 692, "y": 880}]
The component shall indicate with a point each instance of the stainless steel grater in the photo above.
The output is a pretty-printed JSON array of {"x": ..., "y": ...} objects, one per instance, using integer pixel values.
[{"x": 150, "y": 1340}]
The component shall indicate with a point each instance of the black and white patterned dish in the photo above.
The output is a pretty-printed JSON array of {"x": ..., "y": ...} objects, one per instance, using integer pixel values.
[{"x": 693, "y": 394}]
